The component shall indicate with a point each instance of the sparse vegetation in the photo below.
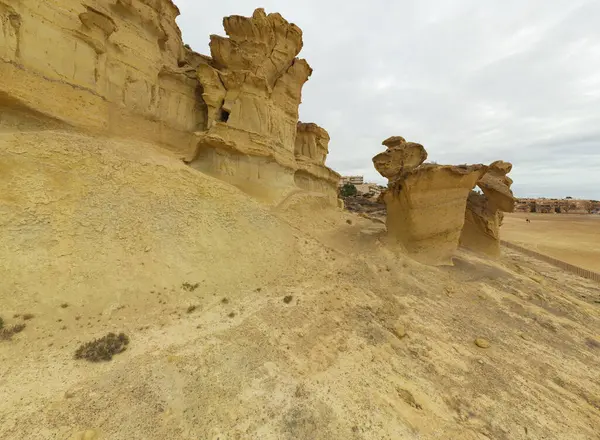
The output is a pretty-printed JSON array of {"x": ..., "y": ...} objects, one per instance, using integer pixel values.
[
  {"x": 191, "y": 308},
  {"x": 28, "y": 316},
  {"x": 103, "y": 349},
  {"x": 1, "y": 323},
  {"x": 231, "y": 315},
  {"x": 64, "y": 305},
  {"x": 190, "y": 287},
  {"x": 225, "y": 301},
  {"x": 6, "y": 333},
  {"x": 348, "y": 190},
  {"x": 591, "y": 206},
  {"x": 288, "y": 299}
]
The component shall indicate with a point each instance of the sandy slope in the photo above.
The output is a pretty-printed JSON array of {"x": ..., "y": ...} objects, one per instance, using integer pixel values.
[{"x": 115, "y": 228}]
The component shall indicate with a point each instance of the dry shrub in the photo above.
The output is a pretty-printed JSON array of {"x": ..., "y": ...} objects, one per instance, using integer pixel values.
[
  {"x": 7, "y": 333},
  {"x": 103, "y": 349}
]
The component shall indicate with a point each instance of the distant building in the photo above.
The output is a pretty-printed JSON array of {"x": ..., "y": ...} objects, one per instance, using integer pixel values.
[
  {"x": 354, "y": 180},
  {"x": 559, "y": 206}
]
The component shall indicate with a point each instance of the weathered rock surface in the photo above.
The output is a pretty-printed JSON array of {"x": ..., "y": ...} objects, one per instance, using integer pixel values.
[
  {"x": 425, "y": 202},
  {"x": 481, "y": 231},
  {"x": 109, "y": 67},
  {"x": 399, "y": 157},
  {"x": 426, "y": 210},
  {"x": 484, "y": 213},
  {"x": 252, "y": 89},
  {"x": 495, "y": 184},
  {"x": 119, "y": 68},
  {"x": 311, "y": 149}
]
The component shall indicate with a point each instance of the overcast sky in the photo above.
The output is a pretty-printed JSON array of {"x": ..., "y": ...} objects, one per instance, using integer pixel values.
[{"x": 471, "y": 80}]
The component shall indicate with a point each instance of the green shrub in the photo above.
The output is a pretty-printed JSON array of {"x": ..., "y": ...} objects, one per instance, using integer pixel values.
[{"x": 348, "y": 190}]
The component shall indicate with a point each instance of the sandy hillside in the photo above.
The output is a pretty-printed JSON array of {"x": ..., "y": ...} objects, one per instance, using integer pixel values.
[
  {"x": 573, "y": 238},
  {"x": 306, "y": 326}
]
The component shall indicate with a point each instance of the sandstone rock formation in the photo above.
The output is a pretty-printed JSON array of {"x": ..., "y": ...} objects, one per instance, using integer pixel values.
[
  {"x": 119, "y": 68},
  {"x": 425, "y": 202},
  {"x": 103, "y": 66},
  {"x": 495, "y": 184},
  {"x": 311, "y": 149},
  {"x": 252, "y": 89},
  {"x": 484, "y": 213},
  {"x": 400, "y": 156}
]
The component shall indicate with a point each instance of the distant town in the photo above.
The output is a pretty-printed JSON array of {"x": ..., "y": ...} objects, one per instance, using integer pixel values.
[{"x": 568, "y": 205}]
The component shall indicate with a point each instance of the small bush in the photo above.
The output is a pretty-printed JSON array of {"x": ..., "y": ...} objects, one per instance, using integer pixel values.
[
  {"x": 288, "y": 299},
  {"x": 64, "y": 305},
  {"x": 28, "y": 316},
  {"x": 7, "y": 333},
  {"x": 190, "y": 309},
  {"x": 1, "y": 323},
  {"x": 103, "y": 349},
  {"x": 190, "y": 287},
  {"x": 348, "y": 190}
]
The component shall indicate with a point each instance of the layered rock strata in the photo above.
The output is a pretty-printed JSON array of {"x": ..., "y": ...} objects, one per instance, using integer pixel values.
[
  {"x": 102, "y": 66},
  {"x": 425, "y": 202},
  {"x": 485, "y": 212},
  {"x": 311, "y": 149},
  {"x": 119, "y": 68},
  {"x": 252, "y": 90}
]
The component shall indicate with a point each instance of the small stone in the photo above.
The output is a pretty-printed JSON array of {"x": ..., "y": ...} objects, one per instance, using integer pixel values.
[
  {"x": 482, "y": 343},
  {"x": 399, "y": 330},
  {"x": 89, "y": 434},
  {"x": 480, "y": 361}
]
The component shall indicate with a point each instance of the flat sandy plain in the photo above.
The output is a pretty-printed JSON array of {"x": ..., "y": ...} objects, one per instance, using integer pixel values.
[{"x": 573, "y": 238}]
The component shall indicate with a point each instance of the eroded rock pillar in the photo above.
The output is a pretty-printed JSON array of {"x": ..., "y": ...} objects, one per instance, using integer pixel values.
[
  {"x": 425, "y": 203},
  {"x": 485, "y": 212}
]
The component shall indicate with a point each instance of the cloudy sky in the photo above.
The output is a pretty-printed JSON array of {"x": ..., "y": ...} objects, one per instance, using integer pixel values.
[{"x": 471, "y": 80}]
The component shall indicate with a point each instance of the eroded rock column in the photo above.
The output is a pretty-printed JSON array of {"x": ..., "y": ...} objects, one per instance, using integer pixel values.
[
  {"x": 485, "y": 212},
  {"x": 252, "y": 89},
  {"x": 425, "y": 203},
  {"x": 311, "y": 149}
]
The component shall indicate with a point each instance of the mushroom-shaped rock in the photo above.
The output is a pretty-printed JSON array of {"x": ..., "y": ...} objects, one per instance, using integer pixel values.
[
  {"x": 426, "y": 209},
  {"x": 400, "y": 157}
]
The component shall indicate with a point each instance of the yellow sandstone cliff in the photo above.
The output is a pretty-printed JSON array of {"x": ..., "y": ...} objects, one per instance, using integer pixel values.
[
  {"x": 109, "y": 67},
  {"x": 119, "y": 68}
]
